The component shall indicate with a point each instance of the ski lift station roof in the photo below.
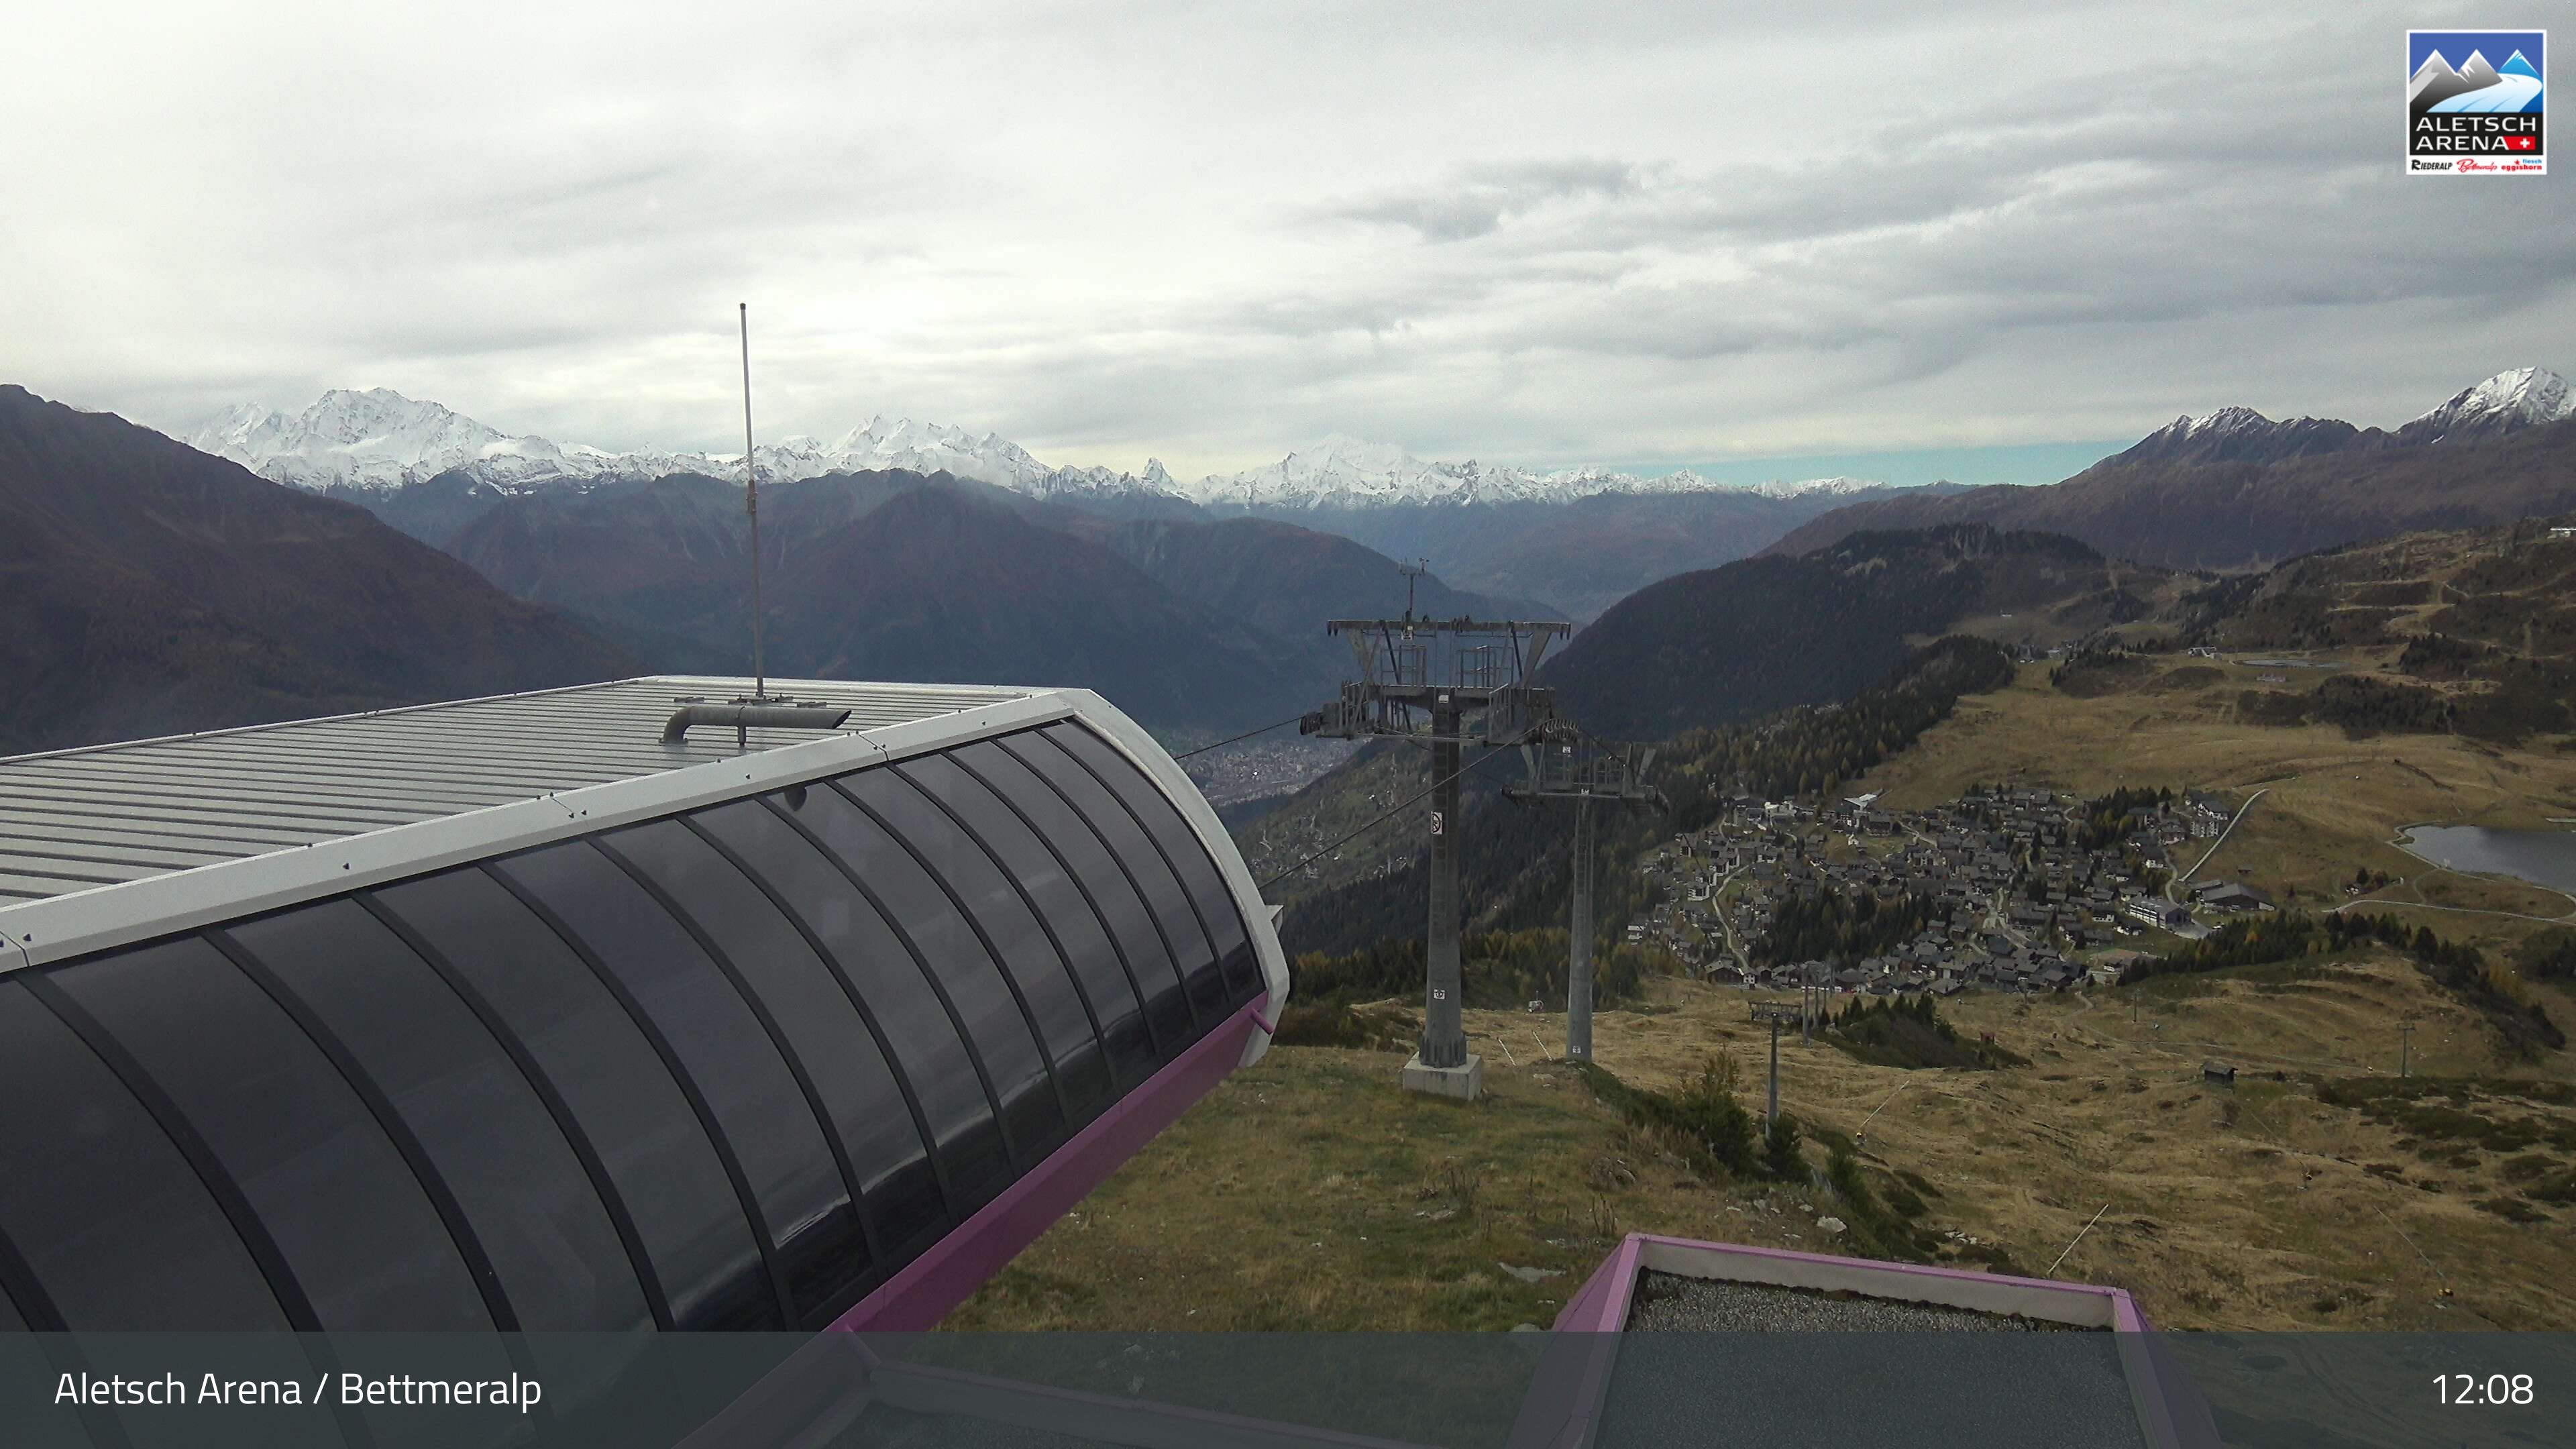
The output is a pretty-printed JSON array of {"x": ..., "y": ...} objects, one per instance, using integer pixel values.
[{"x": 567, "y": 1010}]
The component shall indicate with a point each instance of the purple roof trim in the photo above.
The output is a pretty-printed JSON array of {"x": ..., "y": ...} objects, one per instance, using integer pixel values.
[
  {"x": 920, "y": 1295},
  {"x": 1576, "y": 1375}
]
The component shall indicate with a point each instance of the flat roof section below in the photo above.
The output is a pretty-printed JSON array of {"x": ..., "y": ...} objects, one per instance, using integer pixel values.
[
  {"x": 72, "y": 820},
  {"x": 1667, "y": 1301}
]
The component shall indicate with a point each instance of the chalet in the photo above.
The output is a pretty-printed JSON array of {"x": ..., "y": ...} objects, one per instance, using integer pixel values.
[{"x": 2231, "y": 896}]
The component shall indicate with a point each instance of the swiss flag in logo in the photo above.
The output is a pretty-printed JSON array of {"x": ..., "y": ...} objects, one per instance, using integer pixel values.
[{"x": 2521, "y": 143}]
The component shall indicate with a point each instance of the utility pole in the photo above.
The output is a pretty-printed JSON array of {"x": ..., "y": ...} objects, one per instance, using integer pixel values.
[
  {"x": 1584, "y": 771},
  {"x": 1446, "y": 670},
  {"x": 1778, "y": 1014},
  {"x": 1771, "y": 1102},
  {"x": 2405, "y": 1043},
  {"x": 1578, "y": 965},
  {"x": 751, "y": 506}
]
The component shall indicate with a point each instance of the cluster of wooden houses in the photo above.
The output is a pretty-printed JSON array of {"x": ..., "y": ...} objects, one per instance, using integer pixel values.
[{"x": 2012, "y": 888}]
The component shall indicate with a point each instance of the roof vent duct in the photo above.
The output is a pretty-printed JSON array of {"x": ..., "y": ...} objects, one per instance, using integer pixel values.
[{"x": 751, "y": 717}]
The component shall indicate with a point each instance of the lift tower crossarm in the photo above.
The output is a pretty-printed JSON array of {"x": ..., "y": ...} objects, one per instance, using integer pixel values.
[{"x": 1448, "y": 670}]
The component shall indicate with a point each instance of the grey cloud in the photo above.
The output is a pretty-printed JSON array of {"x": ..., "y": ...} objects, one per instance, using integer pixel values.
[
  {"x": 1478, "y": 200},
  {"x": 1546, "y": 233}
]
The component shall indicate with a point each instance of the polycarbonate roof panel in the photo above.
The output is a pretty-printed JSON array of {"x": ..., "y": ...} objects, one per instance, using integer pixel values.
[{"x": 72, "y": 820}]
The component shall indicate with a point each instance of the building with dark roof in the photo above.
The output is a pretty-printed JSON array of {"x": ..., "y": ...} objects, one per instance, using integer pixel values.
[{"x": 554, "y": 1012}]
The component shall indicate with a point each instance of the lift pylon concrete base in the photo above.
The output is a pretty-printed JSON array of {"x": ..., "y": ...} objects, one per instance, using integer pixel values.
[{"x": 1465, "y": 1083}]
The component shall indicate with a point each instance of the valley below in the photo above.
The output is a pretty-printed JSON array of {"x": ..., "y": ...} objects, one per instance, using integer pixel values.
[{"x": 2319, "y": 1189}]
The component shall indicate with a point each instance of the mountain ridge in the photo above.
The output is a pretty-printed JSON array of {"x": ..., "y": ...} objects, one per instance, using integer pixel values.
[
  {"x": 910, "y": 576},
  {"x": 1731, "y": 644},
  {"x": 378, "y": 440},
  {"x": 2233, "y": 488},
  {"x": 154, "y": 589}
]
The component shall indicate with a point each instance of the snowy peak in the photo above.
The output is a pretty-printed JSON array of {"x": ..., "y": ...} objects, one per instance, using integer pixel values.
[
  {"x": 2526, "y": 397},
  {"x": 1835, "y": 486},
  {"x": 901, "y": 443},
  {"x": 1345, "y": 472},
  {"x": 2239, "y": 435},
  {"x": 378, "y": 439}
]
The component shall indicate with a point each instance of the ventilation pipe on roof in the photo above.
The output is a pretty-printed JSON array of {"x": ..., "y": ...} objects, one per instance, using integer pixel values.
[{"x": 751, "y": 717}]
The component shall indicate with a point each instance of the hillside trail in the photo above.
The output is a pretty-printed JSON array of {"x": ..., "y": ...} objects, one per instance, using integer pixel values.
[{"x": 2175, "y": 883}]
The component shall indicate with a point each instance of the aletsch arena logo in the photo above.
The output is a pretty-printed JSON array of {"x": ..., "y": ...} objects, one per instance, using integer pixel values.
[{"x": 2473, "y": 101}]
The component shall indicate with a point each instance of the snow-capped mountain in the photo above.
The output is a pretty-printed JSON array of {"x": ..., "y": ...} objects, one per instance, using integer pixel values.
[
  {"x": 1346, "y": 472},
  {"x": 2239, "y": 435},
  {"x": 374, "y": 439},
  {"x": 2507, "y": 402},
  {"x": 379, "y": 440},
  {"x": 1834, "y": 486}
]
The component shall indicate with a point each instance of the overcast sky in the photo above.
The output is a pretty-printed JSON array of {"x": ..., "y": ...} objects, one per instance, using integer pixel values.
[{"x": 1648, "y": 234}]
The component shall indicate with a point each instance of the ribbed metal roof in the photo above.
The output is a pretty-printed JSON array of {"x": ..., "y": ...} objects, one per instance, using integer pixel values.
[{"x": 72, "y": 820}]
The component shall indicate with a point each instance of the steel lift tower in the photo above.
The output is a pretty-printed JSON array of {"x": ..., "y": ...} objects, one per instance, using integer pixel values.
[
  {"x": 1566, "y": 766},
  {"x": 1445, "y": 683}
]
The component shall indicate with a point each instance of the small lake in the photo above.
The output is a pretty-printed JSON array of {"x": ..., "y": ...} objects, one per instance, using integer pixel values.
[{"x": 2543, "y": 857}]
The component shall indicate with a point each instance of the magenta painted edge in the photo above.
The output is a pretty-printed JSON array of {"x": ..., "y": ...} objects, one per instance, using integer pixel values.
[
  {"x": 923, "y": 1292},
  {"x": 1602, "y": 1306}
]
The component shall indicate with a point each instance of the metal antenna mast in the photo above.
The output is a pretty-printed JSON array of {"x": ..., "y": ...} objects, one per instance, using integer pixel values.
[
  {"x": 1570, "y": 767},
  {"x": 751, "y": 506},
  {"x": 1450, "y": 668}
]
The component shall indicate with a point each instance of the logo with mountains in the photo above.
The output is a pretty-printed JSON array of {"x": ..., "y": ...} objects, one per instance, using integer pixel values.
[{"x": 2473, "y": 102}]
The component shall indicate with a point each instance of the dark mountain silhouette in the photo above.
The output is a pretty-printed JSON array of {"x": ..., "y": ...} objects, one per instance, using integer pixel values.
[
  {"x": 892, "y": 575},
  {"x": 940, "y": 584},
  {"x": 1726, "y": 645},
  {"x": 1288, "y": 580},
  {"x": 2234, "y": 514},
  {"x": 1582, "y": 556},
  {"x": 1579, "y": 557},
  {"x": 153, "y": 589},
  {"x": 433, "y": 510}
]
